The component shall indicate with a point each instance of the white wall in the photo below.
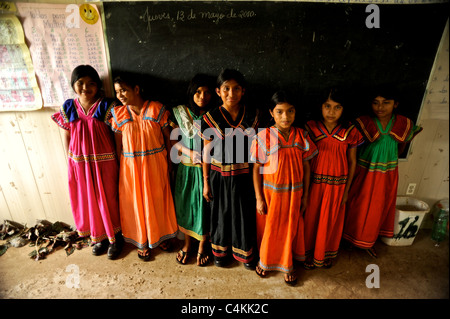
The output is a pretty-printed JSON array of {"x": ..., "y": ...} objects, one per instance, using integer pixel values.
[{"x": 427, "y": 164}]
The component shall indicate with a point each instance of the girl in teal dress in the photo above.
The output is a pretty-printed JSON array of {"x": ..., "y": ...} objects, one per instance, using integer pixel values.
[{"x": 190, "y": 206}]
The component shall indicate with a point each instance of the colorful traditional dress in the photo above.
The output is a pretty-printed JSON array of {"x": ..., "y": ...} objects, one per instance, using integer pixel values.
[
  {"x": 231, "y": 223},
  {"x": 190, "y": 206},
  {"x": 280, "y": 232},
  {"x": 93, "y": 169},
  {"x": 324, "y": 216},
  {"x": 372, "y": 196},
  {"x": 146, "y": 204}
]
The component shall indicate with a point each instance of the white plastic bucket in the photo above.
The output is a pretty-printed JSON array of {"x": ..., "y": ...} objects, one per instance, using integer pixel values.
[{"x": 409, "y": 214}]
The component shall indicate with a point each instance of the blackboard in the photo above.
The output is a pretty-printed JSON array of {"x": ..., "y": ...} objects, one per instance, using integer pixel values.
[{"x": 297, "y": 46}]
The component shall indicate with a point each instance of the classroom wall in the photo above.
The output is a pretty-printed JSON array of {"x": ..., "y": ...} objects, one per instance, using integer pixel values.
[
  {"x": 427, "y": 164},
  {"x": 33, "y": 164}
]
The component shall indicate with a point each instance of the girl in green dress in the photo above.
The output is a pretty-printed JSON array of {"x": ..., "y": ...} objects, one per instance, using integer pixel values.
[
  {"x": 372, "y": 196},
  {"x": 190, "y": 206}
]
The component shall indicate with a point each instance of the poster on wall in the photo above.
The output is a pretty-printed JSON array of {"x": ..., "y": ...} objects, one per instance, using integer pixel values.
[
  {"x": 18, "y": 86},
  {"x": 61, "y": 37}
]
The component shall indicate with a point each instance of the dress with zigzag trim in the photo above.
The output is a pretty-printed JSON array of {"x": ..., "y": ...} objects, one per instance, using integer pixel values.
[
  {"x": 93, "y": 169},
  {"x": 371, "y": 200},
  {"x": 232, "y": 228},
  {"x": 324, "y": 216},
  {"x": 280, "y": 232},
  {"x": 146, "y": 205}
]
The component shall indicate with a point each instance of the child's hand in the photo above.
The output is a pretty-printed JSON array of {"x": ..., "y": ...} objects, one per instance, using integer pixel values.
[
  {"x": 344, "y": 198},
  {"x": 207, "y": 192},
  {"x": 196, "y": 157},
  {"x": 261, "y": 206},
  {"x": 303, "y": 204}
]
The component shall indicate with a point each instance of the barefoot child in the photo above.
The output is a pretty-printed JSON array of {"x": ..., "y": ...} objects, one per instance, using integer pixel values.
[
  {"x": 281, "y": 193},
  {"x": 93, "y": 169},
  {"x": 372, "y": 197},
  {"x": 332, "y": 173},
  {"x": 190, "y": 206},
  {"x": 142, "y": 140}
]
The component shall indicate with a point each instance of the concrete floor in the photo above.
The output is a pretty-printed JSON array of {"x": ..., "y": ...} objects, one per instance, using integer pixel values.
[{"x": 419, "y": 271}]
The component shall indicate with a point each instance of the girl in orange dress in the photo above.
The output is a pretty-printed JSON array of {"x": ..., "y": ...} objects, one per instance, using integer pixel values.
[
  {"x": 145, "y": 198},
  {"x": 332, "y": 174},
  {"x": 281, "y": 180}
]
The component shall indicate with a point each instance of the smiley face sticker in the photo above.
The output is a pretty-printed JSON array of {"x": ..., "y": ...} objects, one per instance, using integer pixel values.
[{"x": 88, "y": 13}]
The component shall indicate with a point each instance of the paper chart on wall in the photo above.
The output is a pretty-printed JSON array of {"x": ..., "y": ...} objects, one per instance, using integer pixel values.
[
  {"x": 60, "y": 38},
  {"x": 18, "y": 86}
]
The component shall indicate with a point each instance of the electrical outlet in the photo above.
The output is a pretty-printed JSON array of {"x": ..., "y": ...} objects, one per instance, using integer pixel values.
[{"x": 411, "y": 188}]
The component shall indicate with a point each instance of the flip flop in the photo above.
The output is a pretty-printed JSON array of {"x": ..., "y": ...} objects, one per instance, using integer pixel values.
[
  {"x": 165, "y": 246},
  {"x": 291, "y": 282},
  {"x": 200, "y": 256},
  {"x": 327, "y": 264},
  {"x": 144, "y": 255},
  {"x": 371, "y": 251},
  {"x": 261, "y": 273},
  {"x": 184, "y": 256},
  {"x": 308, "y": 266}
]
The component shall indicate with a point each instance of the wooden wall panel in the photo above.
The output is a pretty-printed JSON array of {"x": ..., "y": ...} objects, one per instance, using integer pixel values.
[
  {"x": 43, "y": 143},
  {"x": 17, "y": 179}
]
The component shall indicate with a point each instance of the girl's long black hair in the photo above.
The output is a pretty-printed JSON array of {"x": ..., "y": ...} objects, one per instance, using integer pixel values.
[{"x": 197, "y": 81}]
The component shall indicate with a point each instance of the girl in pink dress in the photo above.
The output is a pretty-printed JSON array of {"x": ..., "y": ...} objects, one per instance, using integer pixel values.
[{"x": 92, "y": 162}]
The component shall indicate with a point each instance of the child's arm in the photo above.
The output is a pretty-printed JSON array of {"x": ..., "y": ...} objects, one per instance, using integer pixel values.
[
  {"x": 66, "y": 136},
  {"x": 306, "y": 179},
  {"x": 118, "y": 139},
  {"x": 261, "y": 206},
  {"x": 206, "y": 166},
  {"x": 166, "y": 134},
  {"x": 351, "y": 159},
  {"x": 195, "y": 156},
  {"x": 401, "y": 148}
]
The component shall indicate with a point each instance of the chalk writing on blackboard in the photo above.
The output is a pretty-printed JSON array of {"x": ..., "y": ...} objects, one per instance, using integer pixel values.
[{"x": 190, "y": 14}]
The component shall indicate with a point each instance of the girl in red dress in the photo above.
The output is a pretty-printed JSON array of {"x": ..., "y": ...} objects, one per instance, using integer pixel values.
[{"x": 332, "y": 173}]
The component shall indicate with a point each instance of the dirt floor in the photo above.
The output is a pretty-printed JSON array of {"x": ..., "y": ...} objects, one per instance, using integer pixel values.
[{"x": 419, "y": 271}]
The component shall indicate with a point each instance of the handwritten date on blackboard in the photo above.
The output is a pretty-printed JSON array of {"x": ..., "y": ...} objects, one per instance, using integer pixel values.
[{"x": 189, "y": 15}]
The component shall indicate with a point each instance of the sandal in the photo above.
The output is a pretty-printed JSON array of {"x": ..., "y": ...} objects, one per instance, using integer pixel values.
[
  {"x": 290, "y": 282},
  {"x": 308, "y": 265},
  {"x": 184, "y": 256},
  {"x": 371, "y": 251},
  {"x": 165, "y": 245},
  {"x": 327, "y": 264},
  {"x": 204, "y": 257},
  {"x": 144, "y": 254},
  {"x": 260, "y": 272}
]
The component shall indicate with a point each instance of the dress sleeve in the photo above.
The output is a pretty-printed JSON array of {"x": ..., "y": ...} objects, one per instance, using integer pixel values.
[
  {"x": 355, "y": 138},
  {"x": 206, "y": 129},
  {"x": 119, "y": 116},
  {"x": 172, "y": 119},
  {"x": 164, "y": 119},
  {"x": 61, "y": 117},
  {"x": 258, "y": 150},
  {"x": 416, "y": 130},
  {"x": 310, "y": 148}
]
